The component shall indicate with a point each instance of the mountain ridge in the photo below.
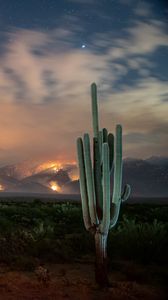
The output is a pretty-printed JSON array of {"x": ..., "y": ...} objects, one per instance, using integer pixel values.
[{"x": 147, "y": 177}]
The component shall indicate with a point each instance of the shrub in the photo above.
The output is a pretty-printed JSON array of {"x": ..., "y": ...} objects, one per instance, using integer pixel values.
[{"x": 139, "y": 241}]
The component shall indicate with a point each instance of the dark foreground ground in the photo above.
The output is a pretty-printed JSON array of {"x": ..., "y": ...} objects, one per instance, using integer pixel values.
[
  {"x": 45, "y": 253},
  {"x": 76, "y": 281}
]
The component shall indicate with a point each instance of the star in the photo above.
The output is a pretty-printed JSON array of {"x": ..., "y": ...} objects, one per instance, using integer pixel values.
[{"x": 83, "y": 46}]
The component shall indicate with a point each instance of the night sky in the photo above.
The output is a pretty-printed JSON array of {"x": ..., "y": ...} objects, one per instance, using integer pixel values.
[{"x": 50, "y": 53}]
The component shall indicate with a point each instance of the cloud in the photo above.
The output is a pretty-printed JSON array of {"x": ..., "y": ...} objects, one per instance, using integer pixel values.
[
  {"x": 45, "y": 97},
  {"x": 42, "y": 64},
  {"x": 70, "y": 69},
  {"x": 144, "y": 38},
  {"x": 164, "y": 97}
]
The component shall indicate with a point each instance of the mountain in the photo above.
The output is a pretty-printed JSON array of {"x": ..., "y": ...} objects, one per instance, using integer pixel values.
[
  {"x": 33, "y": 187},
  {"x": 148, "y": 178},
  {"x": 32, "y": 176},
  {"x": 49, "y": 178},
  {"x": 158, "y": 161},
  {"x": 8, "y": 183},
  {"x": 28, "y": 168},
  {"x": 71, "y": 187},
  {"x": 61, "y": 177},
  {"x": 20, "y": 170}
]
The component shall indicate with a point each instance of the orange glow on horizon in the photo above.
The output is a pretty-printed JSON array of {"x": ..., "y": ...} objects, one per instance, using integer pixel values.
[
  {"x": 1, "y": 187},
  {"x": 54, "y": 186},
  {"x": 74, "y": 177},
  {"x": 54, "y": 165}
]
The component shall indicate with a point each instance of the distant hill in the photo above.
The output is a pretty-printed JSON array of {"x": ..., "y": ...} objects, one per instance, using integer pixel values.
[
  {"x": 158, "y": 161},
  {"x": 33, "y": 187},
  {"x": 147, "y": 177},
  {"x": 48, "y": 177},
  {"x": 71, "y": 187},
  {"x": 8, "y": 183},
  {"x": 20, "y": 170}
]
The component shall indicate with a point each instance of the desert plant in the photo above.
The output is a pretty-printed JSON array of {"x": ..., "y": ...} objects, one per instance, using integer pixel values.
[
  {"x": 100, "y": 210},
  {"x": 143, "y": 242}
]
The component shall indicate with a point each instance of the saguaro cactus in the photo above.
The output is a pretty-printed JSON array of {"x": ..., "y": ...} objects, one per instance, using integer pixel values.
[{"x": 100, "y": 208}]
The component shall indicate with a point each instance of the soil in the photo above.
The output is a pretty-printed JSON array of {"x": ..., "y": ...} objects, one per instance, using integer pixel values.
[{"x": 76, "y": 281}]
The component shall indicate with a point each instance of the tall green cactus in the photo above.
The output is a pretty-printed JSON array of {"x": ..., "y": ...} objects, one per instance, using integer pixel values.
[{"x": 100, "y": 209}]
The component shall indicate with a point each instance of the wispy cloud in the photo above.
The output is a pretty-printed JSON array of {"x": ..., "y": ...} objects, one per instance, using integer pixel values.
[{"x": 45, "y": 97}]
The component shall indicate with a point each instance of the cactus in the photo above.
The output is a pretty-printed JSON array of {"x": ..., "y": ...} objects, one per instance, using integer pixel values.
[{"x": 100, "y": 209}]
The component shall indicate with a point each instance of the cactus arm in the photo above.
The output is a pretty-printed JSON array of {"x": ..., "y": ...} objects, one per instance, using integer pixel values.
[
  {"x": 100, "y": 139},
  {"x": 126, "y": 193},
  {"x": 83, "y": 187},
  {"x": 111, "y": 149},
  {"x": 104, "y": 226},
  {"x": 90, "y": 181},
  {"x": 97, "y": 177},
  {"x": 105, "y": 135},
  {"x": 116, "y": 199},
  {"x": 116, "y": 207},
  {"x": 104, "y": 139},
  {"x": 94, "y": 110},
  {"x": 118, "y": 165},
  {"x": 115, "y": 211}
]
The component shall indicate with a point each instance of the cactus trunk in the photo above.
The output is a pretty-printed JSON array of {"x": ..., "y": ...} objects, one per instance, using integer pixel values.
[{"x": 101, "y": 272}]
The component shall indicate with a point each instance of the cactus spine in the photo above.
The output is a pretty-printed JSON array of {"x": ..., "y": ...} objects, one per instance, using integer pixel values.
[{"x": 100, "y": 210}]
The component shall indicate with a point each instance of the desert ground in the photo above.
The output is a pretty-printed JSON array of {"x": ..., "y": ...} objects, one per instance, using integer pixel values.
[
  {"x": 46, "y": 254},
  {"x": 76, "y": 281}
]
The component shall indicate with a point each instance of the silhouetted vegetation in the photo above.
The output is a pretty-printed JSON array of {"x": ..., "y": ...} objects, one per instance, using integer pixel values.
[{"x": 35, "y": 232}]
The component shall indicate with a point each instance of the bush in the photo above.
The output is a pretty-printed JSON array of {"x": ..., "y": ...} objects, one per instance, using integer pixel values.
[
  {"x": 143, "y": 242},
  {"x": 55, "y": 232}
]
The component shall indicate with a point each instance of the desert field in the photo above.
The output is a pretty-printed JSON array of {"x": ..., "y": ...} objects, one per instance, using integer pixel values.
[{"x": 45, "y": 252}]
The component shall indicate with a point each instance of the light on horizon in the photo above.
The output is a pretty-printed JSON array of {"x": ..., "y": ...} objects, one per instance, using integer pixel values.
[
  {"x": 1, "y": 187},
  {"x": 55, "y": 187}
]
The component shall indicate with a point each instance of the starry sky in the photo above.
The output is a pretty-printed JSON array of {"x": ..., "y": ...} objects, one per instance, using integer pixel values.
[{"x": 50, "y": 53}]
